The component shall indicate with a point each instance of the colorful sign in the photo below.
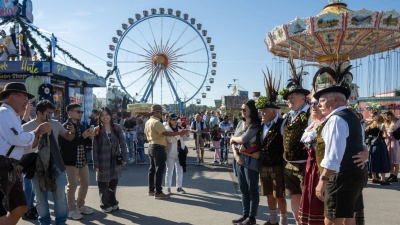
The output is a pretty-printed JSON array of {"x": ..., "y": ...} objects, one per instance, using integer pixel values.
[
  {"x": 27, "y": 10},
  {"x": 8, "y": 8},
  {"x": 40, "y": 68}
]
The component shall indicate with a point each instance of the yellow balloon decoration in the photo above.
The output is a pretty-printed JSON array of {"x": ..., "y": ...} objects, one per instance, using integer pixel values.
[{"x": 35, "y": 57}]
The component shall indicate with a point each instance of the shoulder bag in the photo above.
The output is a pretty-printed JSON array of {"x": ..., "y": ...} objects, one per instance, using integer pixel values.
[{"x": 118, "y": 155}]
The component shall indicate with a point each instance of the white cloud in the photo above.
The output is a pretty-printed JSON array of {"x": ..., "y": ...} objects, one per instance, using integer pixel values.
[{"x": 82, "y": 13}]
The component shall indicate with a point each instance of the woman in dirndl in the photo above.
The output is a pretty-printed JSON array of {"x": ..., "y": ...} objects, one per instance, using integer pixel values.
[
  {"x": 311, "y": 209},
  {"x": 391, "y": 123},
  {"x": 378, "y": 154}
]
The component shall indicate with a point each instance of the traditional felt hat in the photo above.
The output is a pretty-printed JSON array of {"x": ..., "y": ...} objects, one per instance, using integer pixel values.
[
  {"x": 155, "y": 108},
  {"x": 272, "y": 90},
  {"x": 14, "y": 87},
  {"x": 295, "y": 83},
  {"x": 333, "y": 80}
]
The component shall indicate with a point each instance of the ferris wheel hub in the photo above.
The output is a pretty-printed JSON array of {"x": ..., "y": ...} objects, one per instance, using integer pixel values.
[{"x": 160, "y": 59}]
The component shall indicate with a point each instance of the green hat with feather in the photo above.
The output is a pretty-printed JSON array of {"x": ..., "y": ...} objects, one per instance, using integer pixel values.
[
  {"x": 272, "y": 89},
  {"x": 337, "y": 79}
]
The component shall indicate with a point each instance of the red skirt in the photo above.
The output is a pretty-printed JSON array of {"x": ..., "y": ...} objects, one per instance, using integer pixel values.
[{"x": 311, "y": 208}]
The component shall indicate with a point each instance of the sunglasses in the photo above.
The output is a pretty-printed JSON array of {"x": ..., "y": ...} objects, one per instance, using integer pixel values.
[
  {"x": 173, "y": 119},
  {"x": 313, "y": 103},
  {"x": 79, "y": 112},
  {"x": 243, "y": 110}
]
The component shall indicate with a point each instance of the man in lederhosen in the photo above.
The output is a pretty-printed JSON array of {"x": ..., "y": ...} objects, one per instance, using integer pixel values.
[
  {"x": 342, "y": 181},
  {"x": 294, "y": 125},
  {"x": 271, "y": 157}
]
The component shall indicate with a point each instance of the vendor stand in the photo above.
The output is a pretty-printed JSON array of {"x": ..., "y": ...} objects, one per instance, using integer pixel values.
[{"x": 53, "y": 81}]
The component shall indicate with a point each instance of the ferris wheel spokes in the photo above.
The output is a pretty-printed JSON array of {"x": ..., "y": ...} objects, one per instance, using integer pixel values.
[
  {"x": 171, "y": 84},
  {"x": 170, "y": 48},
  {"x": 152, "y": 81},
  {"x": 133, "y": 52},
  {"x": 150, "y": 53},
  {"x": 176, "y": 66}
]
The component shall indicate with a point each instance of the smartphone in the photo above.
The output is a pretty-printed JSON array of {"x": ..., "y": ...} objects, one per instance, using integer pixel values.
[
  {"x": 92, "y": 127},
  {"x": 47, "y": 117}
]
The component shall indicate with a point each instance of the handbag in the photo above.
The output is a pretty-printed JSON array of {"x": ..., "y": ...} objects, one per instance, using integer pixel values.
[
  {"x": 28, "y": 163},
  {"x": 250, "y": 149},
  {"x": 118, "y": 155}
]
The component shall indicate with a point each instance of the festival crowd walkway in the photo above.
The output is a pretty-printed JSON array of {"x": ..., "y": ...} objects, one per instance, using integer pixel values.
[{"x": 212, "y": 198}]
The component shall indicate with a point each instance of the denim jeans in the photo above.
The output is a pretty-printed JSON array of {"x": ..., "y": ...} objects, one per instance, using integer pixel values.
[
  {"x": 248, "y": 185},
  {"x": 59, "y": 198},
  {"x": 28, "y": 191},
  {"x": 158, "y": 157},
  {"x": 224, "y": 148},
  {"x": 140, "y": 149},
  {"x": 129, "y": 142}
]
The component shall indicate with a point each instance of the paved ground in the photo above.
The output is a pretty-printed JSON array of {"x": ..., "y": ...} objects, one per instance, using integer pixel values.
[{"x": 212, "y": 198}]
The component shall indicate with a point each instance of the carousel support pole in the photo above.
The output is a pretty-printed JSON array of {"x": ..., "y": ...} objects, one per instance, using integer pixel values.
[
  {"x": 66, "y": 100},
  {"x": 16, "y": 31}
]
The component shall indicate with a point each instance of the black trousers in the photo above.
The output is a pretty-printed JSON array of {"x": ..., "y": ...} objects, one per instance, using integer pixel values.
[
  {"x": 158, "y": 157},
  {"x": 107, "y": 192},
  {"x": 248, "y": 185}
]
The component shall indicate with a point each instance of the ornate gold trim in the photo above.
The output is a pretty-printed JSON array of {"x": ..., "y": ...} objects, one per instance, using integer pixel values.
[{"x": 333, "y": 57}]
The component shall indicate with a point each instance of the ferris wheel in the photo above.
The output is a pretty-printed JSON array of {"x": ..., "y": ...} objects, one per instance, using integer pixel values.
[{"x": 163, "y": 58}]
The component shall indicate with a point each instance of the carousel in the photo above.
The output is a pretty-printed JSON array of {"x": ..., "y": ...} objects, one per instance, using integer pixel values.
[{"x": 339, "y": 35}]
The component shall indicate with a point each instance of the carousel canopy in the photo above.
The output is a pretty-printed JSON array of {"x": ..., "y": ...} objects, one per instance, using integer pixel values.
[{"x": 337, "y": 33}]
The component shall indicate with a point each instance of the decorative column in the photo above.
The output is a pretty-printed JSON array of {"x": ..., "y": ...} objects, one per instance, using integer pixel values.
[{"x": 88, "y": 102}]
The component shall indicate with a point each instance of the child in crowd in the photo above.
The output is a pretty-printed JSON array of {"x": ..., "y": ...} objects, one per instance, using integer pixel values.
[{"x": 216, "y": 137}]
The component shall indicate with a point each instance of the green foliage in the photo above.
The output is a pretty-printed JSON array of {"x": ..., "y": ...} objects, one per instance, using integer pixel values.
[
  {"x": 261, "y": 102},
  {"x": 283, "y": 92}
]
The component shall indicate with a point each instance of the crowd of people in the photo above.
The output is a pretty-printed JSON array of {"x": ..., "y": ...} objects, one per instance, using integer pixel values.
[{"x": 315, "y": 154}]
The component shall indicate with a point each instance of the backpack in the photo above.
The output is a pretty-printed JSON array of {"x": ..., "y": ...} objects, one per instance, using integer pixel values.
[{"x": 396, "y": 134}]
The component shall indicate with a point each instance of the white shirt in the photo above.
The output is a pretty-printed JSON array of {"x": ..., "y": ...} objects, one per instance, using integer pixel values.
[
  {"x": 11, "y": 133},
  {"x": 225, "y": 127},
  {"x": 304, "y": 109},
  {"x": 334, "y": 134},
  {"x": 266, "y": 128}
]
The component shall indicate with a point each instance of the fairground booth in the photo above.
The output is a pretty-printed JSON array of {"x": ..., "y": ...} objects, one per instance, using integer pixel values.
[{"x": 24, "y": 60}]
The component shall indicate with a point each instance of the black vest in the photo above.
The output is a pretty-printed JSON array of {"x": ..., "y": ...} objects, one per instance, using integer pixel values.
[
  {"x": 294, "y": 148},
  {"x": 272, "y": 145},
  {"x": 202, "y": 127},
  {"x": 353, "y": 141}
]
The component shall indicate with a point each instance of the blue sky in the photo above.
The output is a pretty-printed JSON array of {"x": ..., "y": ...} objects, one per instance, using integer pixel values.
[{"x": 237, "y": 28}]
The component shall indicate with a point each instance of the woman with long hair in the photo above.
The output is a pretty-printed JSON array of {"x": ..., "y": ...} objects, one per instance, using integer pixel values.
[
  {"x": 390, "y": 125},
  {"x": 379, "y": 161},
  {"x": 140, "y": 138},
  {"x": 174, "y": 147},
  {"x": 311, "y": 210},
  {"x": 109, "y": 142},
  {"x": 246, "y": 166}
]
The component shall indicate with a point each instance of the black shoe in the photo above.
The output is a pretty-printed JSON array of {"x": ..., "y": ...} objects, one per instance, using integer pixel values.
[
  {"x": 249, "y": 221},
  {"x": 392, "y": 178},
  {"x": 385, "y": 183},
  {"x": 241, "y": 219},
  {"x": 30, "y": 216},
  {"x": 34, "y": 210},
  {"x": 376, "y": 181}
]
